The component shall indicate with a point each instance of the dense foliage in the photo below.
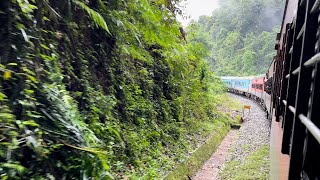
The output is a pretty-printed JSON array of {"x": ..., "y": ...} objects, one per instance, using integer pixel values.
[
  {"x": 241, "y": 35},
  {"x": 99, "y": 89}
]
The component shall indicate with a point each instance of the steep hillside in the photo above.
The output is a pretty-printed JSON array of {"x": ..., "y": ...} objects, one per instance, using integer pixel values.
[{"x": 99, "y": 89}]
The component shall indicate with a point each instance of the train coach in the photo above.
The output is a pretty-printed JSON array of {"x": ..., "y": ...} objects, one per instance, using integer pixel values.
[
  {"x": 296, "y": 87},
  {"x": 240, "y": 85},
  {"x": 254, "y": 87},
  {"x": 290, "y": 92}
]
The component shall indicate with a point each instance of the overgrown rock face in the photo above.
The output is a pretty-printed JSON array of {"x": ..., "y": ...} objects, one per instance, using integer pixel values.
[{"x": 101, "y": 89}]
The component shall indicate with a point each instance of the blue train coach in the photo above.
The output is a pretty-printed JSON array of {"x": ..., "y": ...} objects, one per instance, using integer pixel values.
[{"x": 240, "y": 84}]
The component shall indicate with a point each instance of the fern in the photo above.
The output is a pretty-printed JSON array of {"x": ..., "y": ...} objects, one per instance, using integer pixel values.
[{"x": 95, "y": 16}]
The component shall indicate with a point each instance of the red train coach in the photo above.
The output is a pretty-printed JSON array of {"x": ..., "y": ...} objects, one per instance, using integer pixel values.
[{"x": 257, "y": 86}]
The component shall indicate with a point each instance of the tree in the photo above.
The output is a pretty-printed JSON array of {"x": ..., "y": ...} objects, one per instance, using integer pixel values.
[{"x": 242, "y": 34}]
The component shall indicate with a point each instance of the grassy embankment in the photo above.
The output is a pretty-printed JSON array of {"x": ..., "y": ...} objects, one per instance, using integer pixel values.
[
  {"x": 254, "y": 166},
  {"x": 228, "y": 112}
]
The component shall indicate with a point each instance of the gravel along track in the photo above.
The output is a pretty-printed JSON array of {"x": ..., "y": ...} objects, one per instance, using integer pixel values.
[
  {"x": 253, "y": 135},
  {"x": 254, "y": 132}
]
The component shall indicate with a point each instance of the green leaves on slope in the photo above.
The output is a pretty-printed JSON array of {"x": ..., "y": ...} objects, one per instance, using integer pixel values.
[
  {"x": 91, "y": 106},
  {"x": 95, "y": 16}
]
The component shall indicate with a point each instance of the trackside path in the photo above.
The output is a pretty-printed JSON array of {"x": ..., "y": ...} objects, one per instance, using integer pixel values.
[
  {"x": 211, "y": 168},
  {"x": 243, "y": 154}
]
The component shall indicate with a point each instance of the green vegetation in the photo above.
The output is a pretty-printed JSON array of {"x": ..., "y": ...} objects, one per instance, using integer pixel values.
[
  {"x": 254, "y": 166},
  {"x": 100, "y": 90},
  {"x": 219, "y": 129},
  {"x": 201, "y": 155},
  {"x": 227, "y": 103},
  {"x": 230, "y": 107},
  {"x": 241, "y": 35}
]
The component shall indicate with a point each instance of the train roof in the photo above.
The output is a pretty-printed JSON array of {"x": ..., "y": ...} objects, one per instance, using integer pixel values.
[
  {"x": 237, "y": 77},
  {"x": 244, "y": 77}
]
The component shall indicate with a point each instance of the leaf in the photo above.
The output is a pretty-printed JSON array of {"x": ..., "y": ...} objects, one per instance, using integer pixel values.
[
  {"x": 34, "y": 114},
  {"x": 19, "y": 26},
  {"x": 115, "y": 132},
  {"x": 52, "y": 12},
  {"x": 29, "y": 91},
  {"x": 7, "y": 75},
  {"x": 24, "y": 34},
  {"x": 26, "y": 7},
  {"x": 96, "y": 17},
  {"x": 86, "y": 149},
  {"x": 32, "y": 78},
  {"x": 44, "y": 46},
  {"x": 2, "y": 96},
  {"x": 6, "y": 116},
  {"x": 30, "y": 123},
  {"x": 17, "y": 167},
  {"x": 45, "y": 57},
  {"x": 28, "y": 71},
  {"x": 12, "y": 64}
]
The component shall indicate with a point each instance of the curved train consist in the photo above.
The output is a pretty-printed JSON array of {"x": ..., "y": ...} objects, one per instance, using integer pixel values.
[
  {"x": 255, "y": 87},
  {"x": 290, "y": 92}
]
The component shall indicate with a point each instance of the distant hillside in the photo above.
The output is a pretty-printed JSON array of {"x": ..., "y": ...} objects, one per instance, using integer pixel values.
[{"x": 241, "y": 35}]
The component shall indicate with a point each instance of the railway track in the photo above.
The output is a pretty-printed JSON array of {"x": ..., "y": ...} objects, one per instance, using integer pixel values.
[{"x": 253, "y": 135}]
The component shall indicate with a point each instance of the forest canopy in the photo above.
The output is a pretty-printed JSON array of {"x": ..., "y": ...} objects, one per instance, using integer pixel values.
[{"x": 240, "y": 35}]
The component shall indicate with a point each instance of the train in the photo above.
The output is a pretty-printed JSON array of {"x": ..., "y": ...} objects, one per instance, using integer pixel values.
[
  {"x": 290, "y": 93},
  {"x": 255, "y": 87}
]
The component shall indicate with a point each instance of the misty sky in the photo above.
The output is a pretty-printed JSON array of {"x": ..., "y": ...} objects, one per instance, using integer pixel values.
[{"x": 196, "y": 8}]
